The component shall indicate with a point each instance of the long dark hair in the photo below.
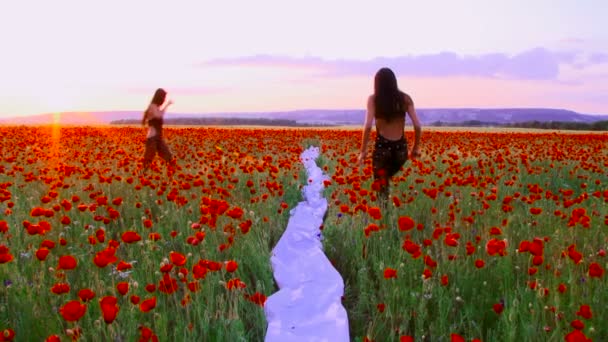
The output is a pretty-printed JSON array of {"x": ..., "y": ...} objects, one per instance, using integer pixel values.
[
  {"x": 388, "y": 99},
  {"x": 158, "y": 99},
  {"x": 159, "y": 96}
]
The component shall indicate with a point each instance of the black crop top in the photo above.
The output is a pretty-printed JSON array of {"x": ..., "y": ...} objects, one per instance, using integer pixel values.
[{"x": 157, "y": 123}]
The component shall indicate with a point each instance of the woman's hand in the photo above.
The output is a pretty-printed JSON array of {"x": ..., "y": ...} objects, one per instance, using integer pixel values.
[
  {"x": 361, "y": 158},
  {"x": 415, "y": 153}
]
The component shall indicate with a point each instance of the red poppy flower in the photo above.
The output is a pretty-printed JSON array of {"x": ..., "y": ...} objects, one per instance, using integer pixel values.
[
  {"x": 150, "y": 288},
  {"x": 426, "y": 274},
  {"x": 577, "y": 324},
  {"x": 130, "y": 237},
  {"x": 470, "y": 248},
  {"x": 86, "y": 295},
  {"x": 193, "y": 286},
  {"x": 42, "y": 253},
  {"x": 199, "y": 271},
  {"x": 406, "y": 223},
  {"x": 60, "y": 288},
  {"x": 429, "y": 261},
  {"x": 134, "y": 299},
  {"x": 456, "y": 338},
  {"x": 166, "y": 268},
  {"x": 154, "y": 236},
  {"x": 72, "y": 311},
  {"x": 235, "y": 283},
  {"x": 245, "y": 226},
  {"x": 390, "y": 273},
  {"x": 235, "y": 213},
  {"x": 375, "y": 213},
  {"x": 177, "y": 259},
  {"x": 496, "y": 247},
  {"x": 148, "y": 304},
  {"x": 577, "y": 336},
  {"x": 105, "y": 257},
  {"x": 574, "y": 255},
  {"x": 122, "y": 287},
  {"x": 47, "y": 244},
  {"x": 584, "y": 311},
  {"x": 123, "y": 266},
  {"x": 53, "y": 338},
  {"x": 67, "y": 262},
  {"x": 65, "y": 220},
  {"x": 3, "y": 227},
  {"x": 595, "y": 270},
  {"x": 412, "y": 248},
  {"x": 256, "y": 298},
  {"x": 7, "y": 335},
  {"x": 109, "y": 309},
  {"x": 537, "y": 260},
  {"x": 147, "y": 335},
  {"x": 495, "y": 231},
  {"x": 231, "y": 266},
  {"x": 537, "y": 246},
  {"x": 168, "y": 284}
]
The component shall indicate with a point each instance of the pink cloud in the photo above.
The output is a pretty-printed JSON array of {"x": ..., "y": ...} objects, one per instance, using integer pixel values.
[
  {"x": 533, "y": 64},
  {"x": 185, "y": 91}
]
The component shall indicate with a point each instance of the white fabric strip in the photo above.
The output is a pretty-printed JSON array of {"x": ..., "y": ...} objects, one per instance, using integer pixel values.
[{"x": 308, "y": 305}]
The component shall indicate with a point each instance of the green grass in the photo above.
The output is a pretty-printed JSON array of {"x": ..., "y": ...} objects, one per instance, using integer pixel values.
[{"x": 217, "y": 164}]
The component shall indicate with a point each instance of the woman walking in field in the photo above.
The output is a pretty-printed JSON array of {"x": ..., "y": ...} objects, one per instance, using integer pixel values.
[
  {"x": 153, "y": 117},
  {"x": 387, "y": 106}
]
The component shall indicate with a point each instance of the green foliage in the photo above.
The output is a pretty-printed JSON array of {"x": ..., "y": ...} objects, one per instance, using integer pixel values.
[{"x": 474, "y": 174}]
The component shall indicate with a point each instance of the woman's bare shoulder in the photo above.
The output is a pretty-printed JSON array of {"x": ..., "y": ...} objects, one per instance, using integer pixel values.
[
  {"x": 153, "y": 110},
  {"x": 407, "y": 99}
]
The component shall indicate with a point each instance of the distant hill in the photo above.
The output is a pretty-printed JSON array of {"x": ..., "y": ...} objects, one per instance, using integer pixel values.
[{"x": 427, "y": 116}]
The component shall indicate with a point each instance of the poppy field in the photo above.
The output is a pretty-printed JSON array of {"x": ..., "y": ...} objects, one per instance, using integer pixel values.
[{"x": 488, "y": 236}]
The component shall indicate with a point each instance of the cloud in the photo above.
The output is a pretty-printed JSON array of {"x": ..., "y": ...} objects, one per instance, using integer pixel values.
[
  {"x": 535, "y": 64},
  {"x": 572, "y": 40},
  {"x": 184, "y": 91},
  {"x": 598, "y": 58}
]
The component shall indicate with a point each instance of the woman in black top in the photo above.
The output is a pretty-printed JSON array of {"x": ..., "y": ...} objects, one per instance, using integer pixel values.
[
  {"x": 153, "y": 117},
  {"x": 388, "y": 106}
]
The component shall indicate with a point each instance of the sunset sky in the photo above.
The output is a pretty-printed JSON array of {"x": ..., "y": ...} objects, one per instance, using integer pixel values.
[{"x": 266, "y": 55}]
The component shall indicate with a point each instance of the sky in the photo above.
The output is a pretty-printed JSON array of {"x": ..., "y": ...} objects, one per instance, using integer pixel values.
[{"x": 275, "y": 55}]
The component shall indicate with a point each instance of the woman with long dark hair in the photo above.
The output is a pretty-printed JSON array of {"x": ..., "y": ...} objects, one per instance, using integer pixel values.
[
  {"x": 153, "y": 117},
  {"x": 388, "y": 106}
]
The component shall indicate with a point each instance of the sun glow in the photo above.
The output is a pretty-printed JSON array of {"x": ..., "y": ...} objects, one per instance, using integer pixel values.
[{"x": 56, "y": 118}]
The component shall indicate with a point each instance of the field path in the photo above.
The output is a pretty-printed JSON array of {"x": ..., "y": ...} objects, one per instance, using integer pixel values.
[{"x": 308, "y": 305}]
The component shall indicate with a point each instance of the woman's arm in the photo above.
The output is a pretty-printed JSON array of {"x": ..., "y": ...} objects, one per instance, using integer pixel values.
[
  {"x": 144, "y": 119},
  {"x": 158, "y": 112},
  {"x": 367, "y": 128},
  {"x": 167, "y": 104},
  {"x": 417, "y": 129}
]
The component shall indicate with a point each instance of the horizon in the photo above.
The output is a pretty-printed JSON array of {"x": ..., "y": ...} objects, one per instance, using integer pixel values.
[
  {"x": 311, "y": 109},
  {"x": 171, "y": 113},
  {"x": 270, "y": 56},
  {"x": 426, "y": 115}
]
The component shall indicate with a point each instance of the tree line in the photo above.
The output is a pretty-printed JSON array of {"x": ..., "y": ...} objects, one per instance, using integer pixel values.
[
  {"x": 217, "y": 121},
  {"x": 558, "y": 125}
]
